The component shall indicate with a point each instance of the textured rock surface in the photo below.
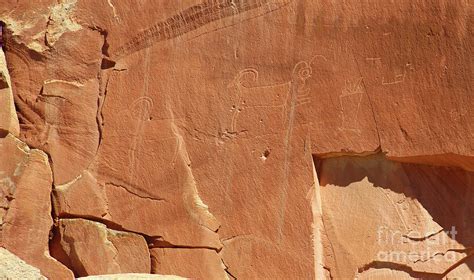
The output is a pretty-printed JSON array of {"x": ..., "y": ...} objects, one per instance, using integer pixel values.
[
  {"x": 405, "y": 217},
  {"x": 133, "y": 276},
  {"x": 383, "y": 273},
  {"x": 12, "y": 267},
  {"x": 89, "y": 248},
  {"x": 192, "y": 125},
  {"x": 25, "y": 184},
  {"x": 8, "y": 118},
  {"x": 194, "y": 263}
]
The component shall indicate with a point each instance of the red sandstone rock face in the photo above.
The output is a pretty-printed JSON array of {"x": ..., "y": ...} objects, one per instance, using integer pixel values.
[
  {"x": 8, "y": 118},
  {"x": 89, "y": 248},
  {"x": 413, "y": 217},
  {"x": 133, "y": 276},
  {"x": 12, "y": 267},
  {"x": 195, "y": 263},
  {"x": 186, "y": 131},
  {"x": 26, "y": 206}
]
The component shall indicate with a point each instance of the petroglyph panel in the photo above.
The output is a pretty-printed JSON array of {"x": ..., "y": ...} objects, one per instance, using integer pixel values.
[{"x": 193, "y": 18}]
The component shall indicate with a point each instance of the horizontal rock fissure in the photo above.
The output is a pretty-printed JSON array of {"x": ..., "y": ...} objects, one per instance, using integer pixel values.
[
  {"x": 227, "y": 239},
  {"x": 153, "y": 241},
  {"x": 168, "y": 245},
  {"x": 136, "y": 194},
  {"x": 424, "y": 237},
  {"x": 400, "y": 267},
  {"x": 109, "y": 224},
  {"x": 468, "y": 250}
]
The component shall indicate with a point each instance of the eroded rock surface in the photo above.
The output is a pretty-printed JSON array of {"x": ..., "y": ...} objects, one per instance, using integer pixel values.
[
  {"x": 132, "y": 276},
  {"x": 89, "y": 248},
  {"x": 8, "y": 118},
  {"x": 12, "y": 267},
  {"x": 194, "y": 263},
  {"x": 188, "y": 129},
  {"x": 25, "y": 214},
  {"x": 407, "y": 217}
]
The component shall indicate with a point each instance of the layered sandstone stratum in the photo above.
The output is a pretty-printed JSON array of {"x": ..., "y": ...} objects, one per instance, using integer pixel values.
[{"x": 237, "y": 139}]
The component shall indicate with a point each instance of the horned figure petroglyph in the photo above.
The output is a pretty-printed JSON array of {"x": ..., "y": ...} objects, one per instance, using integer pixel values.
[
  {"x": 285, "y": 97},
  {"x": 280, "y": 96}
]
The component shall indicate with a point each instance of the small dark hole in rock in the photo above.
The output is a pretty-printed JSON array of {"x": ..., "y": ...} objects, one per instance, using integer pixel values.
[
  {"x": 3, "y": 133},
  {"x": 265, "y": 155},
  {"x": 106, "y": 63}
]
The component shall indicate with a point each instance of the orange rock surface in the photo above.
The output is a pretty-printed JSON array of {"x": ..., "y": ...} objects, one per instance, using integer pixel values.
[{"x": 238, "y": 139}]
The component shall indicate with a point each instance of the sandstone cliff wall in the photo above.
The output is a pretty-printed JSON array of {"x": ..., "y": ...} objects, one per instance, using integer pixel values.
[{"x": 244, "y": 139}]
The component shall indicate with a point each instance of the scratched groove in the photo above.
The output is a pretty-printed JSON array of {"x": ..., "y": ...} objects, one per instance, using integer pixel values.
[{"x": 191, "y": 19}]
